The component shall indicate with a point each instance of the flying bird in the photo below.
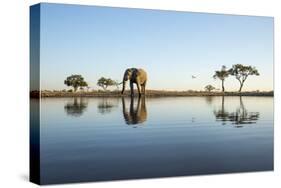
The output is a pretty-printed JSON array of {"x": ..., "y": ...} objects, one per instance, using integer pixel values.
[{"x": 193, "y": 76}]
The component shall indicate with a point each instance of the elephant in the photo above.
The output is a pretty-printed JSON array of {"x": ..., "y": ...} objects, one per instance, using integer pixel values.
[
  {"x": 136, "y": 114},
  {"x": 137, "y": 76}
]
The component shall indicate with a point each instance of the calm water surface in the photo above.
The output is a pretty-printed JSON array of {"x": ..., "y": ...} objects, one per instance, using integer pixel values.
[{"x": 96, "y": 139}]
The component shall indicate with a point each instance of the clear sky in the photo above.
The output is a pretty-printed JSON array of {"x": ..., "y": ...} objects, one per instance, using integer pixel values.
[{"x": 171, "y": 46}]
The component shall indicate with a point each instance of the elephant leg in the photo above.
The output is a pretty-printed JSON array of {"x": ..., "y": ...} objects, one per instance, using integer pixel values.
[
  {"x": 143, "y": 88},
  {"x": 138, "y": 86},
  {"x": 132, "y": 88}
]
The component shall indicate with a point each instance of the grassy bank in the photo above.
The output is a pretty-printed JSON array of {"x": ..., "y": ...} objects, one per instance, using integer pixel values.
[{"x": 149, "y": 93}]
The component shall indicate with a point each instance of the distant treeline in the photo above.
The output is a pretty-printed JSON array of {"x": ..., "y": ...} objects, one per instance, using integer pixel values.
[{"x": 150, "y": 93}]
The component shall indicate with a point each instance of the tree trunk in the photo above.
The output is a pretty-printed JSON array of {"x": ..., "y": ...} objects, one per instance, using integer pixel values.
[
  {"x": 222, "y": 85},
  {"x": 240, "y": 89}
]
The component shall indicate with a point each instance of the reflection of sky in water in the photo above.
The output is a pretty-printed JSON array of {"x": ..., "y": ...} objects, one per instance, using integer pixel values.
[{"x": 173, "y": 137}]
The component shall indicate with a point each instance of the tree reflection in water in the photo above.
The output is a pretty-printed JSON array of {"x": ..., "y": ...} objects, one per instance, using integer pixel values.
[
  {"x": 77, "y": 107},
  {"x": 107, "y": 105},
  {"x": 209, "y": 99},
  {"x": 239, "y": 118},
  {"x": 136, "y": 114}
]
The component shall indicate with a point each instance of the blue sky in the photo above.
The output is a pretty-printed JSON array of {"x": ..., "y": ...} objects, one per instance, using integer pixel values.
[{"x": 171, "y": 46}]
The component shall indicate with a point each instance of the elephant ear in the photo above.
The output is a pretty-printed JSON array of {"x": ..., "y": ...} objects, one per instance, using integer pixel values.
[{"x": 127, "y": 74}]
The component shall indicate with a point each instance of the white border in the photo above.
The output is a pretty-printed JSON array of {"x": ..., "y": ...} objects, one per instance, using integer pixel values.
[{"x": 14, "y": 76}]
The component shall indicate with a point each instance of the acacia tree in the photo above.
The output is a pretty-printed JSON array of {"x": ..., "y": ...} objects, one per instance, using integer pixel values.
[
  {"x": 75, "y": 81},
  {"x": 83, "y": 84},
  {"x": 222, "y": 75},
  {"x": 209, "y": 88},
  {"x": 241, "y": 73},
  {"x": 105, "y": 82}
]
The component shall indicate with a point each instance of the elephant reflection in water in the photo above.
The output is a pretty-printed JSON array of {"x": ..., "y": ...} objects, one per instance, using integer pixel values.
[
  {"x": 239, "y": 117},
  {"x": 77, "y": 107},
  {"x": 135, "y": 115}
]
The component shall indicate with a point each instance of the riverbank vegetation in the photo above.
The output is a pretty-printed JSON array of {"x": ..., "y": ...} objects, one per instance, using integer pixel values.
[{"x": 149, "y": 93}]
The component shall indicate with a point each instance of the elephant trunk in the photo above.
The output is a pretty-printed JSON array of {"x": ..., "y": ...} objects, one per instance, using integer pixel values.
[{"x": 124, "y": 85}]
